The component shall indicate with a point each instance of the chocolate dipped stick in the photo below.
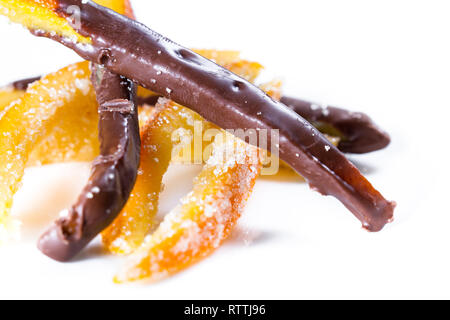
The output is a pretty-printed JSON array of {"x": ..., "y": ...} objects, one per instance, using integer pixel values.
[
  {"x": 129, "y": 48},
  {"x": 113, "y": 174},
  {"x": 358, "y": 133}
]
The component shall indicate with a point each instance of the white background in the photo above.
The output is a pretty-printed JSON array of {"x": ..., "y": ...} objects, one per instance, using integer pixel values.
[{"x": 387, "y": 58}]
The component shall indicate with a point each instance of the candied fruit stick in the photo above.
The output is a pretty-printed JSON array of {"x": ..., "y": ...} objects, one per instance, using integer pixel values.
[
  {"x": 113, "y": 174},
  {"x": 137, "y": 219},
  {"x": 129, "y": 48},
  {"x": 27, "y": 119},
  {"x": 358, "y": 132},
  {"x": 197, "y": 227}
]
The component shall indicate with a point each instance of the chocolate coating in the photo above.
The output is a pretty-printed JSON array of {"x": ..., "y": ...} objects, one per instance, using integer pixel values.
[
  {"x": 358, "y": 132},
  {"x": 113, "y": 173},
  {"x": 24, "y": 83},
  {"x": 129, "y": 48},
  {"x": 151, "y": 100}
]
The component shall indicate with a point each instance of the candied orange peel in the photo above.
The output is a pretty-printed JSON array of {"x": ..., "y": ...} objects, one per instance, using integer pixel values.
[
  {"x": 67, "y": 95},
  {"x": 7, "y": 96},
  {"x": 129, "y": 229},
  {"x": 205, "y": 218},
  {"x": 55, "y": 120},
  {"x": 25, "y": 122}
]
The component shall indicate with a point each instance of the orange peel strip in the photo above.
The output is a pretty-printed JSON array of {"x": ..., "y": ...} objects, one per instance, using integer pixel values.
[
  {"x": 27, "y": 119},
  {"x": 129, "y": 229},
  {"x": 205, "y": 218}
]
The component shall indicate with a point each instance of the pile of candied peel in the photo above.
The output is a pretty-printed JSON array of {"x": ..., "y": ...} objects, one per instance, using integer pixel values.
[{"x": 120, "y": 109}]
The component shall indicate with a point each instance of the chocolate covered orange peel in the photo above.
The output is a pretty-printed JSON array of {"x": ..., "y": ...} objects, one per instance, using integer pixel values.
[
  {"x": 225, "y": 98},
  {"x": 128, "y": 231},
  {"x": 113, "y": 173},
  {"x": 105, "y": 37},
  {"x": 65, "y": 225}
]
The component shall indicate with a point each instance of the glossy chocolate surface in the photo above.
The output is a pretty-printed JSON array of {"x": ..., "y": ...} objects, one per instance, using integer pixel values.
[
  {"x": 358, "y": 132},
  {"x": 113, "y": 173},
  {"x": 24, "y": 83}
]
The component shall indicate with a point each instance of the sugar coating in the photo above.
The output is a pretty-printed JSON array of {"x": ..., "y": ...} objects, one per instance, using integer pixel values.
[
  {"x": 205, "y": 216},
  {"x": 28, "y": 120}
]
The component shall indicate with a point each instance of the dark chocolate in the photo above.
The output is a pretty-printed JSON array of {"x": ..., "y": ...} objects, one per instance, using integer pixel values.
[
  {"x": 359, "y": 134},
  {"x": 129, "y": 48},
  {"x": 150, "y": 100},
  {"x": 113, "y": 173},
  {"x": 24, "y": 83}
]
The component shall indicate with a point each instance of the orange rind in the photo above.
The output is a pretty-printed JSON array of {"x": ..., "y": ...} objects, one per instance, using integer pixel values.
[
  {"x": 7, "y": 95},
  {"x": 26, "y": 121},
  {"x": 205, "y": 217}
]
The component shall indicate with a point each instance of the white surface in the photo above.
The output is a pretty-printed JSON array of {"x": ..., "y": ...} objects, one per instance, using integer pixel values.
[{"x": 388, "y": 58}]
